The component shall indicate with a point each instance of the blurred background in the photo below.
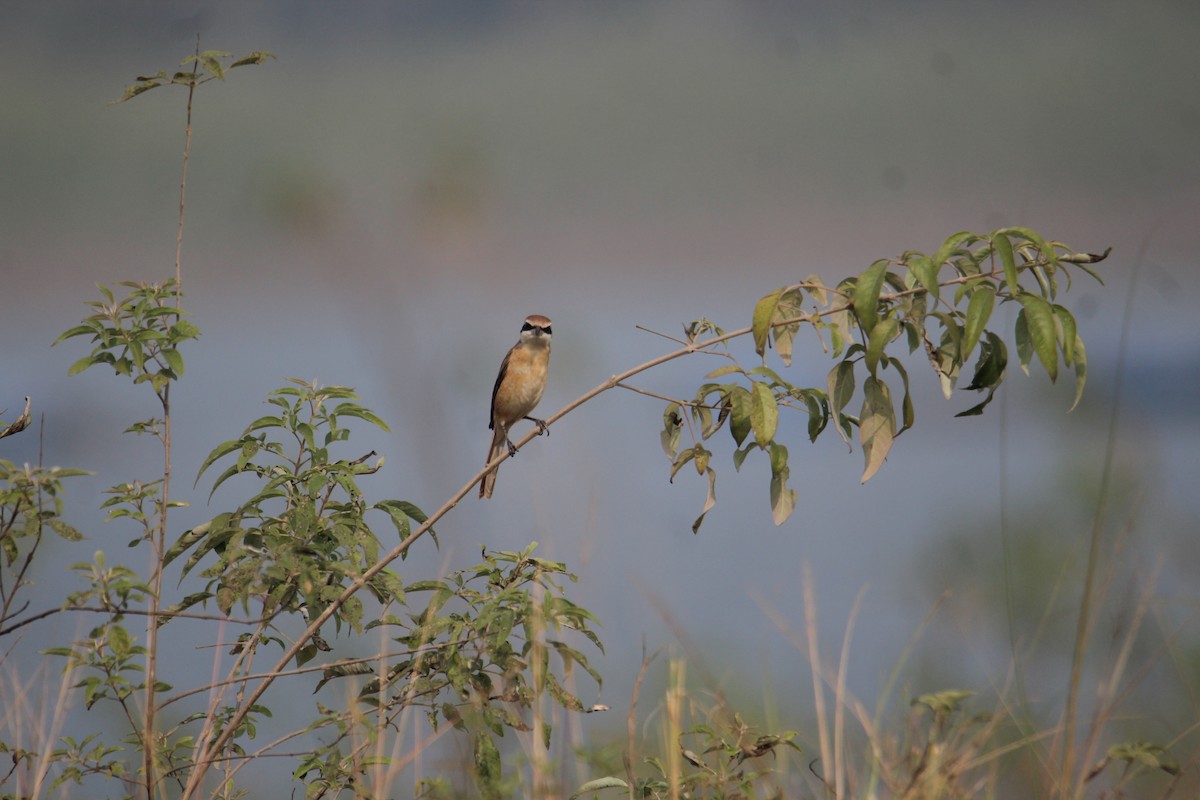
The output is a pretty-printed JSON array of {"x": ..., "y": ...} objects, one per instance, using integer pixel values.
[{"x": 382, "y": 205}]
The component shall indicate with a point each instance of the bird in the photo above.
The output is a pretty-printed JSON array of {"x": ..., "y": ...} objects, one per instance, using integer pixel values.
[{"x": 518, "y": 390}]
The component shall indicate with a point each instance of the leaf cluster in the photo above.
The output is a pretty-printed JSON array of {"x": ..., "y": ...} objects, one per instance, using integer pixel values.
[
  {"x": 195, "y": 70},
  {"x": 940, "y": 304},
  {"x": 302, "y": 536},
  {"x": 138, "y": 336},
  {"x": 477, "y": 655}
]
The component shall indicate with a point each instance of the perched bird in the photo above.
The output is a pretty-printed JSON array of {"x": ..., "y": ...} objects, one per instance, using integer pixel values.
[{"x": 518, "y": 389}]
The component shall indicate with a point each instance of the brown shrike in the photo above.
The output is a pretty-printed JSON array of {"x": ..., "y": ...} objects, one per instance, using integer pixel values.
[{"x": 518, "y": 389}]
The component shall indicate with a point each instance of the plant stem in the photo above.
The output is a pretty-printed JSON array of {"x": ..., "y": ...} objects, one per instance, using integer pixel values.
[{"x": 1083, "y": 625}]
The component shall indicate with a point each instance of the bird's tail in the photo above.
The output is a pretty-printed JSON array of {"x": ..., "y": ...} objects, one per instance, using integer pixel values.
[{"x": 499, "y": 445}]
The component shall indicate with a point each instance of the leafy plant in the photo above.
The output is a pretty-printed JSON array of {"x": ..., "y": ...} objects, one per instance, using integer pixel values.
[{"x": 940, "y": 304}]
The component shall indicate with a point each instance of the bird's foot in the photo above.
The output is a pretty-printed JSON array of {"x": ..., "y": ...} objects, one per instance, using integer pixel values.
[
  {"x": 542, "y": 426},
  {"x": 512, "y": 448}
]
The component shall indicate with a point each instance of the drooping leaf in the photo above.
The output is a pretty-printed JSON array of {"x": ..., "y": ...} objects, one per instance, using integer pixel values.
[
  {"x": 879, "y": 337},
  {"x": 1069, "y": 333},
  {"x": 979, "y": 311},
  {"x": 1004, "y": 249},
  {"x": 840, "y": 384},
  {"x": 877, "y": 427},
  {"x": 739, "y": 414},
  {"x": 1039, "y": 317},
  {"x": 1080, "y": 371},
  {"x": 709, "y": 501},
  {"x": 764, "y": 315},
  {"x": 783, "y": 498},
  {"x": 1024, "y": 341},
  {"x": 764, "y": 413},
  {"x": 925, "y": 274},
  {"x": 866, "y": 295}
]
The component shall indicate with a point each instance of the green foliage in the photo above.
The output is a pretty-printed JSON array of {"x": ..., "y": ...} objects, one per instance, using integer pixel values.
[
  {"x": 720, "y": 756},
  {"x": 940, "y": 304},
  {"x": 206, "y": 66},
  {"x": 30, "y": 503},
  {"x": 138, "y": 336},
  {"x": 301, "y": 537},
  {"x": 478, "y": 656},
  {"x": 479, "y": 652}
]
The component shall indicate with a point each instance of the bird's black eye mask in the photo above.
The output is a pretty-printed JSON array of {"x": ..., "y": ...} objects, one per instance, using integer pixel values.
[{"x": 528, "y": 327}]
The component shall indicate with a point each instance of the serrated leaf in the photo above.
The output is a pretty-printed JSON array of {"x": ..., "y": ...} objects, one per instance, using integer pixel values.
[
  {"x": 979, "y": 311},
  {"x": 764, "y": 413},
  {"x": 877, "y": 428},
  {"x": 1039, "y": 318},
  {"x": 866, "y": 295}
]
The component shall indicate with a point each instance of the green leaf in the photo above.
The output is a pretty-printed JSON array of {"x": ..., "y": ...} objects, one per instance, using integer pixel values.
[
  {"x": 877, "y": 429},
  {"x": 174, "y": 361},
  {"x": 880, "y": 336},
  {"x": 672, "y": 429},
  {"x": 1080, "y": 371},
  {"x": 82, "y": 364},
  {"x": 728, "y": 369},
  {"x": 684, "y": 457},
  {"x": 223, "y": 449},
  {"x": 1004, "y": 249},
  {"x": 351, "y": 410},
  {"x": 840, "y": 389},
  {"x": 906, "y": 405},
  {"x": 487, "y": 763},
  {"x": 979, "y": 311},
  {"x": 709, "y": 501},
  {"x": 764, "y": 413},
  {"x": 925, "y": 274},
  {"x": 78, "y": 330},
  {"x": 1149, "y": 754},
  {"x": 783, "y": 499},
  {"x": 1024, "y": 342},
  {"x": 1069, "y": 333},
  {"x": 256, "y": 57},
  {"x": 993, "y": 359},
  {"x": 764, "y": 315},
  {"x": 866, "y": 295},
  {"x": 1039, "y": 317}
]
